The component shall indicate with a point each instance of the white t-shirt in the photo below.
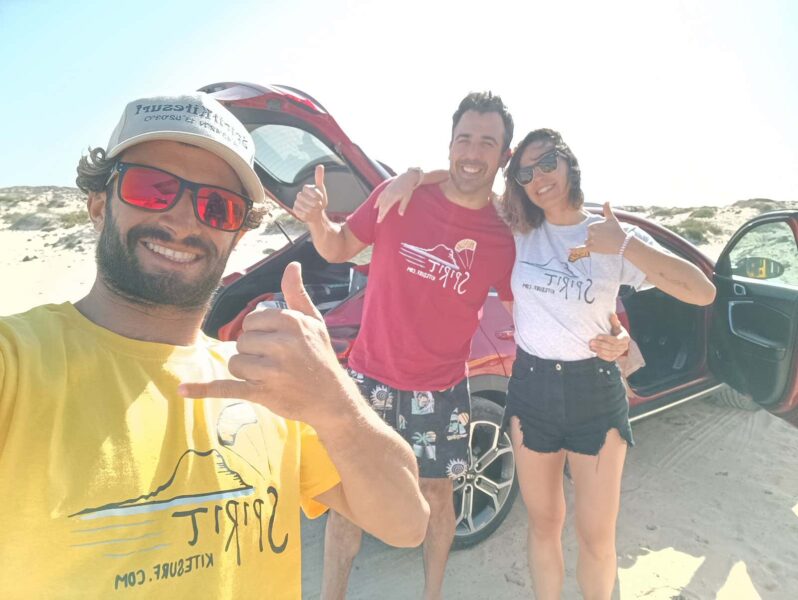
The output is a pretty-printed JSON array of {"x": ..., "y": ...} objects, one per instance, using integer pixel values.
[{"x": 561, "y": 304}]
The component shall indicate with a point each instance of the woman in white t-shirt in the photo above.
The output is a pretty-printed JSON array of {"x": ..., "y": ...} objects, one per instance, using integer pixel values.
[{"x": 563, "y": 402}]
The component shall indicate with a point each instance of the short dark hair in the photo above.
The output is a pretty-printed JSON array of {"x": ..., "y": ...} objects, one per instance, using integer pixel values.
[
  {"x": 520, "y": 213},
  {"x": 486, "y": 102}
]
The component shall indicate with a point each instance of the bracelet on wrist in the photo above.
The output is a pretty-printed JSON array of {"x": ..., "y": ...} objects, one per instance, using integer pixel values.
[
  {"x": 420, "y": 172},
  {"x": 625, "y": 243}
]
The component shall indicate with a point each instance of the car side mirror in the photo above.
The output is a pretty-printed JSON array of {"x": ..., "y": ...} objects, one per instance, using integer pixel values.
[{"x": 758, "y": 267}]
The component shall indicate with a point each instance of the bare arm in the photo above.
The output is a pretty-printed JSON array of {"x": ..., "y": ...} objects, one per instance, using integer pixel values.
[
  {"x": 673, "y": 275},
  {"x": 377, "y": 468},
  {"x": 286, "y": 363},
  {"x": 335, "y": 242},
  {"x": 401, "y": 189}
]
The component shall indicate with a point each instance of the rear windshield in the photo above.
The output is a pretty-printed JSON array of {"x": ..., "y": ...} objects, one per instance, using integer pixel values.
[{"x": 287, "y": 153}]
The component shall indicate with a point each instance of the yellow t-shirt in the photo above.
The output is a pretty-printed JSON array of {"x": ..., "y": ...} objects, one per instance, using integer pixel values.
[{"x": 114, "y": 486}]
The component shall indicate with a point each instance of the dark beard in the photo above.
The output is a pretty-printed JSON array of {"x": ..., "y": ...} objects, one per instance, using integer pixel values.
[{"x": 119, "y": 268}]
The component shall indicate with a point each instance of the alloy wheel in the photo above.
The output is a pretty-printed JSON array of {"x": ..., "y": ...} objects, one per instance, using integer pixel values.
[{"x": 482, "y": 490}]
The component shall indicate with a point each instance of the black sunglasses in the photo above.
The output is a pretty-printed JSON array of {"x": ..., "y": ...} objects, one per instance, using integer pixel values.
[
  {"x": 546, "y": 163},
  {"x": 156, "y": 190}
]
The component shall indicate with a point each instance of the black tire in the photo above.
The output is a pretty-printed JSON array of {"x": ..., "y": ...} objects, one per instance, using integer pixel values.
[
  {"x": 727, "y": 396},
  {"x": 484, "y": 495}
]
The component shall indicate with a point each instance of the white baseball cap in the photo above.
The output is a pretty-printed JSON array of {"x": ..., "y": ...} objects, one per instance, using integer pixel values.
[{"x": 196, "y": 119}]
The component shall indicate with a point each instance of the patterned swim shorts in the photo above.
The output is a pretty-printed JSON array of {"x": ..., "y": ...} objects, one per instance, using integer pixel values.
[{"x": 434, "y": 423}]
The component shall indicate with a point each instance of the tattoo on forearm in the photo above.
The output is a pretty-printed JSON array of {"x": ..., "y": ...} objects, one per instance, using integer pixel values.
[{"x": 676, "y": 282}]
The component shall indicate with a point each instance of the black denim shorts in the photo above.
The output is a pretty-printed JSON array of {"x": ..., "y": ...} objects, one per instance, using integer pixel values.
[
  {"x": 434, "y": 423},
  {"x": 567, "y": 405}
]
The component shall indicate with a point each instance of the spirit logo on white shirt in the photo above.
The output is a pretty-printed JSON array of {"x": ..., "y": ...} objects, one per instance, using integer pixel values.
[{"x": 559, "y": 279}]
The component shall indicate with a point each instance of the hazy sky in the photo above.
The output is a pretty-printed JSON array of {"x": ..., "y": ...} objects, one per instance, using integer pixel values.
[{"x": 690, "y": 103}]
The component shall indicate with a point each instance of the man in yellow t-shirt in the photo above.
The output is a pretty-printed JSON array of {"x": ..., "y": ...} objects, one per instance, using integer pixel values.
[{"x": 140, "y": 458}]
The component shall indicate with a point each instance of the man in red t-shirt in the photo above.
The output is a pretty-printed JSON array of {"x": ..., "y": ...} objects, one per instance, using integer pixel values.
[{"x": 431, "y": 271}]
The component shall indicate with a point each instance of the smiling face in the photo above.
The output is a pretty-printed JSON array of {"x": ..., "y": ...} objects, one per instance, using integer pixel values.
[
  {"x": 476, "y": 152},
  {"x": 166, "y": 258},
  {"x": 548, "y": 191}
]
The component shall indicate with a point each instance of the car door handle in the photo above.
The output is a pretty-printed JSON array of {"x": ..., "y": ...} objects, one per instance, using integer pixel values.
[
  {"x": 739, "y": 289},
  {"x": 506, "y": 334},
  {"x": 750, "y": 336}
]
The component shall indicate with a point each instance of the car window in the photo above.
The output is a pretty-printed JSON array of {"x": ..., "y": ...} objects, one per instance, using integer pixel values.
[
  {"x": 286, "y": 159},
  {"x": 286, "y": 152},
  {"x": 767, "y": 251}
]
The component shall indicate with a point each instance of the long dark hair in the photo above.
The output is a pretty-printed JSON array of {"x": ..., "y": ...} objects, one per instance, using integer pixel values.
[{"x": 518, "y": 210}]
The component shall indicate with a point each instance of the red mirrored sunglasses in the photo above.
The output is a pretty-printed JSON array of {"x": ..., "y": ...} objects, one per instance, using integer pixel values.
[{"x": 157, "y": 190}]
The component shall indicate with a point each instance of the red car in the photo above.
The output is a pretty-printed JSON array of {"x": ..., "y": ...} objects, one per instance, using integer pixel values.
[{"x": 746, "y": 339}]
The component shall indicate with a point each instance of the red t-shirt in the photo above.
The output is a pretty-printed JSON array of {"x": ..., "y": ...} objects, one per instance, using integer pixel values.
[{"x": 431, "y": 271}]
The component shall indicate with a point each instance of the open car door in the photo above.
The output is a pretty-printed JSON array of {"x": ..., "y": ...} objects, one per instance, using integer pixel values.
[
  {"x": 752, "y": 343},
  {"x": 292, "y": 133}
]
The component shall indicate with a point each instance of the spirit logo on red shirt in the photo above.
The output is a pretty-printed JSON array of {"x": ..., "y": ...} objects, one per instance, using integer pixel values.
[{"x": 442, "y": 263}]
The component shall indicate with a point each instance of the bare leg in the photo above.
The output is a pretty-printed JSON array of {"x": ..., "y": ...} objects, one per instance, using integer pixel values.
[
  {"x": 440, "y": 534},
  {"x": 341, "y": 545},
  {"x": 540, "y": 477},
  {"x": 597, "y": 484}
]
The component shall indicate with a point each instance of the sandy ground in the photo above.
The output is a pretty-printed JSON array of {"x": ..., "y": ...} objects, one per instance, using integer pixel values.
[
  {"x": 710, "y": 494},
  {"x": 708, "y": 511}
]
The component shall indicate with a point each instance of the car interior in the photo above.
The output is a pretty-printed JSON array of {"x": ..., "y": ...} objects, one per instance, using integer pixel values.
[
  {"x": 671, "y": 335},
  {"x": 327, "y": 284}
]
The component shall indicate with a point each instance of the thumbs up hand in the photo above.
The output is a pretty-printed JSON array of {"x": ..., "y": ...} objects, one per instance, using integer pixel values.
[
  {"x": 284, "y": 362},
  {"x": 605, "y": 237},
  {"x": 311, "y": 201}
]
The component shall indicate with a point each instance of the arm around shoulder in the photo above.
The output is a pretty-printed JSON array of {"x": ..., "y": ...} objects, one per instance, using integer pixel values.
[{"x": 400, "y": 190}]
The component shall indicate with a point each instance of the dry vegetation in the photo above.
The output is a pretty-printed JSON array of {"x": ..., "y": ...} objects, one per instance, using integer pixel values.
[
  {"x": 709, "y": 224},
  {"x": 60, "y": 214},
  {"x": 57, "y": 214}
]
